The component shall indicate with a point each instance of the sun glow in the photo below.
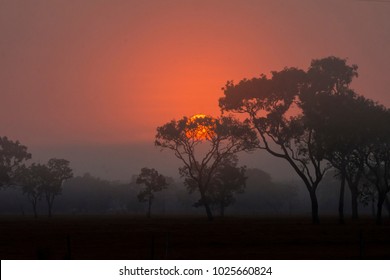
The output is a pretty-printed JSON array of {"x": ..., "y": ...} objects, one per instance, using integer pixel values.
[{"x": 200, "y": 127}]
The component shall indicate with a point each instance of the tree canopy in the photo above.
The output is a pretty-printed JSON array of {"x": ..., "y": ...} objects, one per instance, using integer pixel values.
[
  {"x": 58, "y": 171},
  {"x": 154, "y": 182},
  {"x": 12, "y": 158},
  {"x": 286, "y": 111},
  {"x": 228, "y": 181},
  {"x": 202, "y": 156},
  {"x": 33, "y": 180}
]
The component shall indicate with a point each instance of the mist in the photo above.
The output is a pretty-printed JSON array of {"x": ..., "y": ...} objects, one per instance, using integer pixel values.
[{"x": 120, "y": 162}]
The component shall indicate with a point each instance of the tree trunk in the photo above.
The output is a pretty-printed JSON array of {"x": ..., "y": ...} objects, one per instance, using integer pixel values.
[
  {"x": 354, "y": 203},
  {"x": 314, "y": 207},
  {"x": 149, "y": 208},
  {"x": 222, "y": 210},
  {"x": 208, "y": 211},
  {"x": 34, "y": 204},
  {"x": 206, "y": 204},
  {"x": 373, "y": 207},
  {"x": 50, "y": 205},
  {"x": 50, "y": 213},
  {"x": 207, "y": 208},
  {"x": 381, "y": 199},
  {"x": 341, "y": 200},
  {"x": 387, "y": 203}
]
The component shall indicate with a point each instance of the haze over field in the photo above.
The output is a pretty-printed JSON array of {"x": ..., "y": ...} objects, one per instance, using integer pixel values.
[
  {"x": 90, "y": 81},
  {"x": 192, "y": 129}
]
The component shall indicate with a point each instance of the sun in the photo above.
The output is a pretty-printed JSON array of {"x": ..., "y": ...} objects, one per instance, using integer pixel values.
[{"x": 200, "y": 127}]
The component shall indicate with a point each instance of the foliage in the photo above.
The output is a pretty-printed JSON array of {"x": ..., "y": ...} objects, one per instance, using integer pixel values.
[
  {"x": 33, "y": 180},
  {"x": 58, "y": 172},
  {"x": 378, "y": 155},
  {"x": 154, "y": 182},
  {"x": 202, "y": 156},
  {"x": 12, "y": 158},
  {"x": 229, "y": 179},
  {"x": 283, "y": 110}
]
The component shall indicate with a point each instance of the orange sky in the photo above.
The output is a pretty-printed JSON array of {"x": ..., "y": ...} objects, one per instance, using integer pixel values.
[{"x": 94, "y": 72}]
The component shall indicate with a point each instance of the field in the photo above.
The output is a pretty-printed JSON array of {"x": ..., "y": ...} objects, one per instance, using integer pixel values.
[{"x": 130, "y": 237}]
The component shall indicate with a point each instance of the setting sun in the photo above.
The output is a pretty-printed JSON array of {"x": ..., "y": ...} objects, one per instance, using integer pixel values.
[{"x": 200, "y": 127}]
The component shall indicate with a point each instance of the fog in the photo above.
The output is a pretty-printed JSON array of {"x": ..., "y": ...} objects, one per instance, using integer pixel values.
[
  {"x": 88, "y": 195},
  {"x": 120, "y": 162}
]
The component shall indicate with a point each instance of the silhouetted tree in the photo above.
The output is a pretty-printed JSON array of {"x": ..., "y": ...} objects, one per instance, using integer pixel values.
[
  {"x": 275, "y": 110},
  {"x": 58, "y": 172},
  {"x": 331, "y": 108},
  {"x": 378, "y": 156},
  {"x": 338, "y": 116},
  {"x": 347, "y": 137},
  {"x": 267, "y": 103},
  {"x": 32, "y": 179},
  {"x": 154, "y": 182},
  {"x": 229, "y": 180},
  {"x": 12, "y": 158},
  {"x": 202, "y": 144}
]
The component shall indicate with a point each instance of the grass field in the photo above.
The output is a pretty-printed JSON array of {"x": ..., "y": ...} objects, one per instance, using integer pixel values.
[{"x": 130, "y": 237}]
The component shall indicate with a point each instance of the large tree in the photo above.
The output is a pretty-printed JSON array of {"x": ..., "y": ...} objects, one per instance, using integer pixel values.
[
  {"x": 336, "y": 114},
  {"x": 154, "y": 182},
  {"x": 12, "y": 158},
  {"x": 341, "y": 121},
  {"x": 202, "y": 143},
  {"x": 282, "y": 110}
]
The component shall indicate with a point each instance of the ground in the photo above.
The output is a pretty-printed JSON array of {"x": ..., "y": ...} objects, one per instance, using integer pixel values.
[{"x": 132, "y": 237}]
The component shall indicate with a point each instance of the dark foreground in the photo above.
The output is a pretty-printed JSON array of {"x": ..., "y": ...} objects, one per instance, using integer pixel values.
[{"x": 129, "y": 237}]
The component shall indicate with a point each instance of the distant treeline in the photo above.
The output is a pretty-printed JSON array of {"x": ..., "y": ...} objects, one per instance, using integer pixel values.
[{"x": 262, "y": 196}]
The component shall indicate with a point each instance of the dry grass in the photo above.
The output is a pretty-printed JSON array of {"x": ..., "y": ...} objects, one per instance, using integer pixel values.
[{"x": 130, "y": 237}]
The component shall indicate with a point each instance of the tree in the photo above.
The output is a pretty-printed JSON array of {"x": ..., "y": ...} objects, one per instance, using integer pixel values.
[
  {"x": 202, "y": 143},
  {"x": 342, "y": 122},
  {"x": 229, "y": 180},
  {"x": 337, "y": 113},
  {"x": 58, "y": 172},
  {"x": 378, "y": 155},
  {"x": 12, "y": 158},
  {"x": 32, "y": 179},
  {"x": 154, "y": 182},
  {"x": 280, "y": 110}
]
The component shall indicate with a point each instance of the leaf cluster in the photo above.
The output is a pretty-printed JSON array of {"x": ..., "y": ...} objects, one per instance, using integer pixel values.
[{"x": 153, "y": 181}]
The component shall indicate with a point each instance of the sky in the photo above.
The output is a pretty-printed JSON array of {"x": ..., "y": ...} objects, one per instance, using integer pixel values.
[{"x": 98, "y": 73}]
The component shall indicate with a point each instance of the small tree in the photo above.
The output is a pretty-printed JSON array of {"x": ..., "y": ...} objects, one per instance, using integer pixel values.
[
  {"x": 12, "y": 158},
  {"x": 154, "y": 182},
  {"x": 228, "y": 181},
  {"x": 202, "y": 143},
  {"x": 58, "y": 172},
  {"x": 32, "y": 179}
]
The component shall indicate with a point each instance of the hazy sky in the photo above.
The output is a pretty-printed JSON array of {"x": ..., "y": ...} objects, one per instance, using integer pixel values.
[{"x": 109, "y": 72}]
